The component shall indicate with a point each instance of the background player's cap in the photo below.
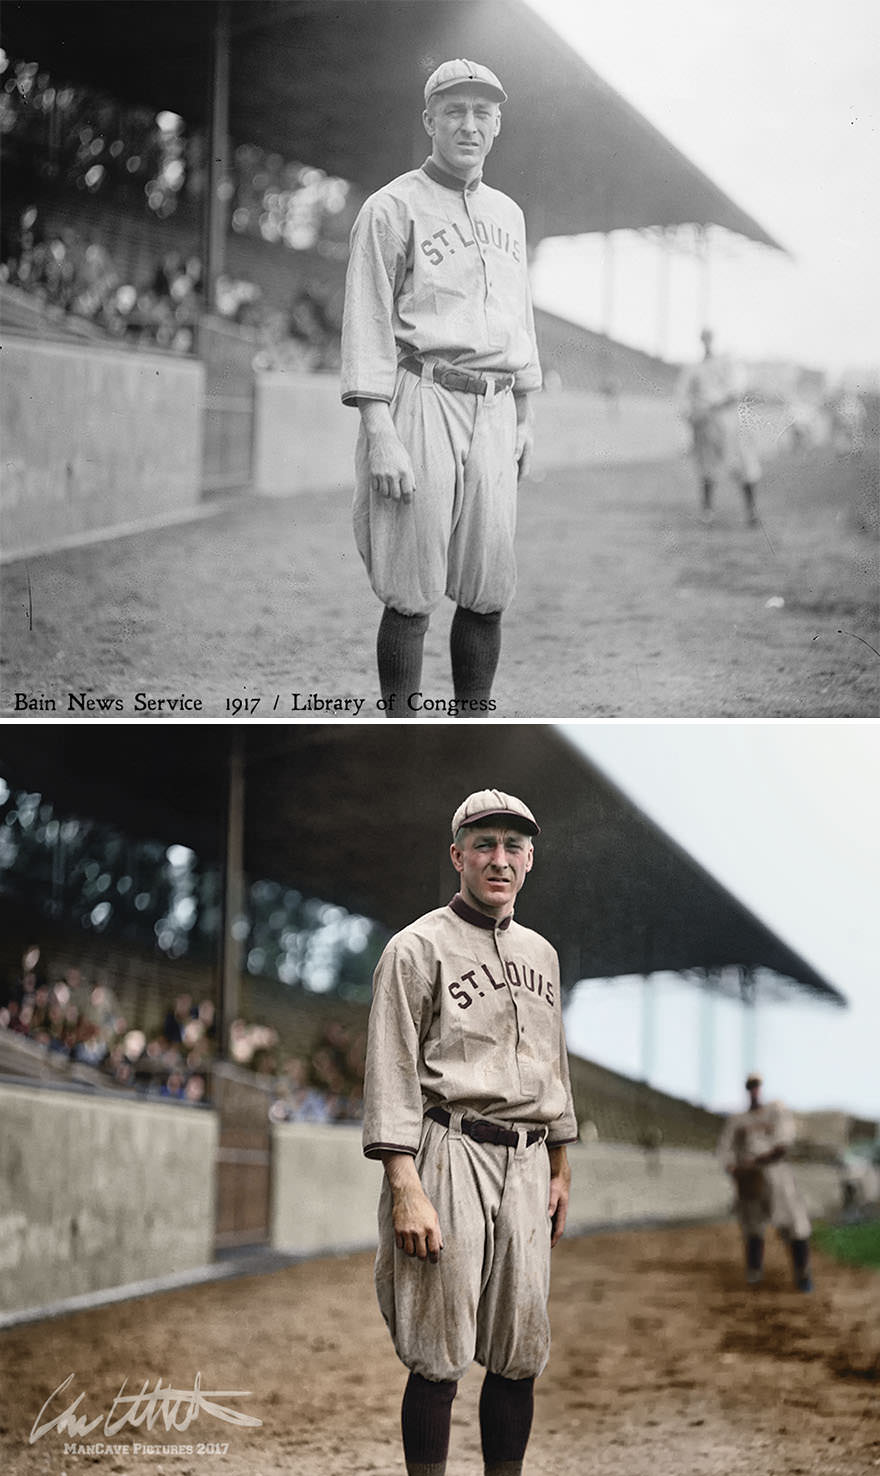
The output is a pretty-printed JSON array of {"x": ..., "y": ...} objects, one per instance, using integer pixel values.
[
  {"x": 753, "y": 1079},
  {"x": 458, "y": 73},
  {"x": 487, "y": 803}
]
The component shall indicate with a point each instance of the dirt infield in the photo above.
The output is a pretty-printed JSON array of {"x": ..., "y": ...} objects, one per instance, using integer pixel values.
[
  {"x": 663, "y": 1364},
  {"x": 628, "y": 606}
]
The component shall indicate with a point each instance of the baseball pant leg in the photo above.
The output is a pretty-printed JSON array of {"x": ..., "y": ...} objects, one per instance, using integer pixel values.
[
  {"x": 513, "y": 1325},
  {"x": 482, "y": 565},
  {"x": 431, "y": 1308},
  {"x": 404, "y": 544}
]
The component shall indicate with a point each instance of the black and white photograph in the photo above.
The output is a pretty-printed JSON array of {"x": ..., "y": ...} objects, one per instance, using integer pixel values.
[{"x": 578, "y": 303}]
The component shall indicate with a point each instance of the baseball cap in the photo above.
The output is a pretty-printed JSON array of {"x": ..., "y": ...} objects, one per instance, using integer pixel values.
[
  {"x": 458, "y": 73},
  {"x": 753, "y": 1079},
  {"x": 486, "y": 803}
]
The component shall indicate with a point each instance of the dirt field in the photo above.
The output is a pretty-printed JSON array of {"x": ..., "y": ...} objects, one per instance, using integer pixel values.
[
  {"x": 628, "y": 606},
  {"x": 663, "y": 1364}
]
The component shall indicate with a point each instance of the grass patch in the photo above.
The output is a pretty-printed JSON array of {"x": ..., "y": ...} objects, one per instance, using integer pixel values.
[{"x": 858, "y": 1244}]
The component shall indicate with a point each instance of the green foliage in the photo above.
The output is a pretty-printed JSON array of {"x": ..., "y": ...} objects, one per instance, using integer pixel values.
[{"x": 858, "y": 1243}]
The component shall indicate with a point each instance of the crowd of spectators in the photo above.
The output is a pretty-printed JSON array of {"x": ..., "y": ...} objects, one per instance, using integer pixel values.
[
  {"x": 328, "y": 1084},
  {"x": 82, "y": 1022},
  {"x": 72, "y": 278}
]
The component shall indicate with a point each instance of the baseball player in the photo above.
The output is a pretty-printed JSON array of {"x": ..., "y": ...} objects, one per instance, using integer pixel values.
[
  {"x": 711, "y": 396},
  {"x": 439, "y": 356},
  {"x": 753, "y": 1147},
  {"x": 468, "y": 1106}
]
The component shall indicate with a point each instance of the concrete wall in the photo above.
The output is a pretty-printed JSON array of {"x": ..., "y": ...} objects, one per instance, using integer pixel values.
[
  {"x": 98, "y": 1192},
  {"x": 613, "y": 1183},
  {"x": 324, "y": 1192},
  {"x": 95, "y": 438},
  {"x": 305, "y": 437}
]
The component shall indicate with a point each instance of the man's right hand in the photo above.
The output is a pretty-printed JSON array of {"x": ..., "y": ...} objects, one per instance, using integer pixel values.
[
  {"x": 391, "y": 471},
  {"x": 416, "y": 1225}
]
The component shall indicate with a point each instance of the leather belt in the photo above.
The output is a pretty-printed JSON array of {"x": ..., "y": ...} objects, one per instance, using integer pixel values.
[
  {"x": 487, "y": 1132},
  {"x": 471, "y": 382}
]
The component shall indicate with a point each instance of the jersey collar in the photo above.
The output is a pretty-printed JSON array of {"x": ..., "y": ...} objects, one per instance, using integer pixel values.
[
  {"x": 449, "y": 181},
  {"x": 479, "y": 919}
]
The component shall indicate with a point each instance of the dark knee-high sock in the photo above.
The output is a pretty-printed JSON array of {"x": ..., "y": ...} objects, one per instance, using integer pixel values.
[
  {"x": 749, "y": 495},
  {"x": 754, "y": 1252},
  {"x": 506, "y": 1409},
  {"x": 475, "y": 646},
  {"x": 399, "y": 647},
  {"x": 425, "y": 1418},
  {"x": 708, "y": 488},
  {"x": 800, "y": 1258}
]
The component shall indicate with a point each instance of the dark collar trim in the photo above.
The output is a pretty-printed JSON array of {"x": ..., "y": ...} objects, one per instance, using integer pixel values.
[
  {"x": 479, "y": 919},
  {"x": 449, "y": 181}
]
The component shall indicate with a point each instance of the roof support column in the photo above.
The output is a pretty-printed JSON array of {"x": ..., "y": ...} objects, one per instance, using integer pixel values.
[
  {"x": 749, "y": 996},
  {"x": 704, "y": 256},
  {"x": 708, "y": 996},
  {"x": 649, "y": 1026},
  {"x": 608, "y": 284},
  {"x": 234, "y": 919},
  {"x": 214, "y": 225},
  {"x": 664, "y": 263}
]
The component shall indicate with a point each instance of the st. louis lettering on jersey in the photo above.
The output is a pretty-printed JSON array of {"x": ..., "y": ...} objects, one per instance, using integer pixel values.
[
  {"x": 445, "y": 241},
  {"x": 475, "y": 982}
]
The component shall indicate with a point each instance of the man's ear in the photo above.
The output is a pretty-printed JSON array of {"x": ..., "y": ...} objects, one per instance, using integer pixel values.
[
  {"x": 428, "y": 120},
  {"x": 457, "y": 856},
  {"x": 498, "y": 123}
]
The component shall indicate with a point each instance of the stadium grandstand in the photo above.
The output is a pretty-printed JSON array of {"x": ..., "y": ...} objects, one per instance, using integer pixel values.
[
  {"x": 115, "y": 859},
  {"x": 195, "y": 200},
  {"x": 190, "y": 921}
]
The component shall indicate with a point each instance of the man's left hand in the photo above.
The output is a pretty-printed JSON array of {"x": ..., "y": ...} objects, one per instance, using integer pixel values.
[
  {"x": 525, "y": 436},
  {"x": 560, "y": 1184}
]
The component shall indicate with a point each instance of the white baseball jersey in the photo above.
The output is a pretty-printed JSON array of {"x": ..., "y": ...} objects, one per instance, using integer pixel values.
[
  {"x": 712, "y": 398},
  {"x": 466, "y": 1013},
  {"x": 436, "y": 267},
  {"x": 748, "y": 1134}
]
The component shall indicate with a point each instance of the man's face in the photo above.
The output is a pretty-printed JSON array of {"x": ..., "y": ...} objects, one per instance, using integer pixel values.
[
  {"x": 463, "y": 125},
  {"x": 492, "y": 862}
]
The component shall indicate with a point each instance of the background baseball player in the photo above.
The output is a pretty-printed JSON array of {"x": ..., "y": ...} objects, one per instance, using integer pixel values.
[
  {"x": 439, "y": 356},
  {"x": 711, "y": 396},
  {"x": 468, "y": 1105},
  {"x": 753, "y": 1147}
]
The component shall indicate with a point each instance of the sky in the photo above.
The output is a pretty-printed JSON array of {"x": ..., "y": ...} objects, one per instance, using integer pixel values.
[
  {"x": 777, "y": 101},
  {"x": 786, "y": 815}
]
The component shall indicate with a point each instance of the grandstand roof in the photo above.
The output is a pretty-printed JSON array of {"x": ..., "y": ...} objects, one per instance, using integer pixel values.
[
  {"x": 359, "y": 814},
  {"x": 339, "y": 87}
]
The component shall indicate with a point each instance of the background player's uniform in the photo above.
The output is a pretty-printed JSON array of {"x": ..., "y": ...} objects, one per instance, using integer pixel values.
[
  {"x": 766, "y": 1194},
  {"x": 438, "y": 270},
  {"x": 467, "y": 1018},
  {"x": 711, "y": 394}
]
